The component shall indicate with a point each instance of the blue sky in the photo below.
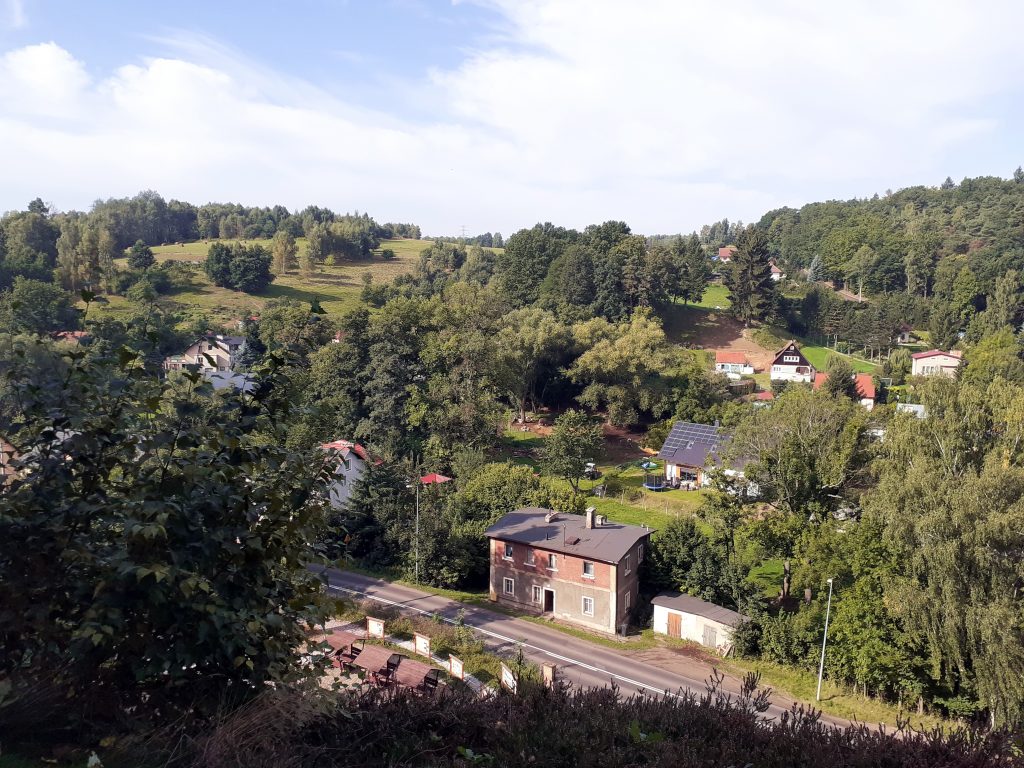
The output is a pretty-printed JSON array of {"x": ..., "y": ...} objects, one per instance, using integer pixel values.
[{"x": 495, "y": 114}]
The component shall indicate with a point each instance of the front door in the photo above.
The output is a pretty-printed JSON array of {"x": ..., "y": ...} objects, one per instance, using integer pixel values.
[
  {"x": 675, "y": 625},
  {"x": 549, "y": 601},
  {"x": 710, "y": 637}
]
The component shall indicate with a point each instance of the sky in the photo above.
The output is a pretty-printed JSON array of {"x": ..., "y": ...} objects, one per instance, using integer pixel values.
[{"x": 496, "y": 114}]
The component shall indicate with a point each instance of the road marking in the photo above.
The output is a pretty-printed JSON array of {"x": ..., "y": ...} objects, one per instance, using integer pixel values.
[{"x": 506, "y": 639}]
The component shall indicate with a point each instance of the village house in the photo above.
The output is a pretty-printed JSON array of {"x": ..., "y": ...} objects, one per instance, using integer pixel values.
[
  {"x": 579, "y": 568},
  {"x": 690, "y": 618},
  {"x": 864, "y": 383},
  {"x": 935, "y": 362},
  {"x": 725, "y": 253},
  {"x": 777, "y": 274},
  {"x": 905, "y": 334},
  {"x": 689, "y": 451},
  {"x": 214, "y": 352},
  {"x": 349, "y": 461},
  {"x": 791, "y": 365},
  {"x": 732, "y": 364}
]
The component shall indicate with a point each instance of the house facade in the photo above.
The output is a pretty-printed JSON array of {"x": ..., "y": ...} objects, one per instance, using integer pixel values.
[
  {"x": 210, "y": 353},
  {"x": 689, "y": 451},
  {"x": 578, "y": 568},
  {"x": 348, "y": 462},
  {"x": 865, "y": 387},
  {"x": 935, "y": 362},
  {"x": 689, "y": 618},
  {"x": 732, "y": 364},
  {"x": 791, "y": 365},
  {"x": 777, "y": 274}
]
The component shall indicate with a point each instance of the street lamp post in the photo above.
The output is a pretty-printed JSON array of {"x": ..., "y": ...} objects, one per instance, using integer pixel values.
[
  {"x": 821, "y": 666},
  {"x": 417, "y": 545}
]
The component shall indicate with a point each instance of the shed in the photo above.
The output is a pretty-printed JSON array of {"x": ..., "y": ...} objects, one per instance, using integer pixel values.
[{"x": 690, "y": 618}]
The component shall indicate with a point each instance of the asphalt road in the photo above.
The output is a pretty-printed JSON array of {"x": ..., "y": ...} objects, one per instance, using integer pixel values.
[{"x": 579, "y": 661}]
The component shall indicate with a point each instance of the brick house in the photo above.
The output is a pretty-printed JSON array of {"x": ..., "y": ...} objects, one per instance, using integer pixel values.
[{"x": 579, "y": 568}]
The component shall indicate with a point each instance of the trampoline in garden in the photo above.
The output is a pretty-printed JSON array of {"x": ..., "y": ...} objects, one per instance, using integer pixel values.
[{"x": 655, "y": 482}]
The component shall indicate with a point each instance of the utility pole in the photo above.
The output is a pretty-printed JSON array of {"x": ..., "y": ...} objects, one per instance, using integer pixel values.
[
  {"x": 821, "y": 666},
  {"x": 417, "y": 550}
]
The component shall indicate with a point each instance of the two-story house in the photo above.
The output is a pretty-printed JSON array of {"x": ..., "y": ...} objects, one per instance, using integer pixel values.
[
  {"x": 215, "y": 352},
  {"x": 791, "y": 365},
  {"x": 580, "y": 568}
]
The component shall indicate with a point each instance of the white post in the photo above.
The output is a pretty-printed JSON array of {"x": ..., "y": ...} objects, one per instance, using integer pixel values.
[
  {"x": 821, "y": 666},
  {"x": 417, "y": 544}
]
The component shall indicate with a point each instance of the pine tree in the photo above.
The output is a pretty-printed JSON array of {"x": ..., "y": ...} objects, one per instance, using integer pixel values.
[{"x": 749, "y": 278}]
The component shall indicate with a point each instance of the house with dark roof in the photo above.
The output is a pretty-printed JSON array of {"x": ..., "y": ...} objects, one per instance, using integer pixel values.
[
  {"x": 690, "y": 618},
  {"x": 689, "y": 451},
  {"x": 579, "y": 568},
  {"x": 791, "y": 365},
  {"x": 863, "y": 381}
]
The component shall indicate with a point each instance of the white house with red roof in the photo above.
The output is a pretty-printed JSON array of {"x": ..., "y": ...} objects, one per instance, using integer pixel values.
[
  {"x": 777, "y": 274},
  {"x": 350, "y": 461},
  {"x": 935, "y": 362},
  {"x": 725, "y": 253},
  {"x": 791, "y": 365},
  {"x": 865, "y": 387},
  {"x": 732, "y": 364}
]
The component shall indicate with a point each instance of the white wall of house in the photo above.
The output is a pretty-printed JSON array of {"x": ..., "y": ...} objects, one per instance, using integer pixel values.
[
  {"x": 734, "y": 370},
  {"x": 792, "y": 373},
  {"x": 344, "y": 478},
  {"x": 692, "y": 627},
  {"x": 936, "y": 365}
]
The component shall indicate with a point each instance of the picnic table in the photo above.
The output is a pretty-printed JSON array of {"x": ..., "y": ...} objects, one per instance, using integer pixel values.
[
  {"x": 377, "y": 660},
  {"x": 341, "y": 642},
  {"x": 416, "y": 675}
]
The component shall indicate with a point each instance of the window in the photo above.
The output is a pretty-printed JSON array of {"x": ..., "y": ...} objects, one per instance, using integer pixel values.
[
  {"x": 530, "y": 557},
  {"x": 552, "y": 562},
  {"x": 508, "y": 551},
  {"x": 536, "y": 594},
  {"x": 588, "y": 606},
  {"x": 508, "y": 586},
  {"x": 640, "y": 553},
  {"x": 790, "y": 359},
  {"x": 627, "y": 601},
  {"x": 588, "y": 570},
  {"x": 625, "y": 563}
]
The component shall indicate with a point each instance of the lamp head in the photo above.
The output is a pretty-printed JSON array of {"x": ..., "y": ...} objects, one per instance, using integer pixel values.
[{"x": 830, "y": 581}]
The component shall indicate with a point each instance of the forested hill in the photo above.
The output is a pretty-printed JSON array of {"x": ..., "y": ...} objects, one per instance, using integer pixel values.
[{"x": 915, "y": 240}]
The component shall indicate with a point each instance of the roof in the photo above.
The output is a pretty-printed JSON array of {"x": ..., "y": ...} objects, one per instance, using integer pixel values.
[
  {"x": 915, "y": 408},
  {"x": 568, "y": 533},
  {"x": 724, "y": 356},
  {"x": 725, "y": 252},
  {"x": 775, "y": 269},
  {"x": 865, "y": 384},
  {"x": 344, "y": 447},
  {"x": 936, "y": 352},
  {"x": 690, "y": 444},
  {"x": 677, "y": 601},
  {"x": 765, "y": 395}
]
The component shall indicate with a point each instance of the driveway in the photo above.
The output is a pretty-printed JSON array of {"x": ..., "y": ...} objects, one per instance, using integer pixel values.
[{"x": 584, "y": 663}]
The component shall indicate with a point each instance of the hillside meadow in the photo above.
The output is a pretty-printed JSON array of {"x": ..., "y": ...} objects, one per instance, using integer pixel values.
[{"x": 336, "y": 288}]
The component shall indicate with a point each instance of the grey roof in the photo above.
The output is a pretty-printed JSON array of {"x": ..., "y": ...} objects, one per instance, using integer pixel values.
[
  {"x": 568, "y": 533},
  {"x": 690, "y": 444},
  {"x": 914, "y": 408},
  {"x": 690, "y": 604}
]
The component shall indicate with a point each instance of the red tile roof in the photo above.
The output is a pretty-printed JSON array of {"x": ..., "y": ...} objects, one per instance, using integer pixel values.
[
  {"x": 724, "y": 356},
  {"x": 725, "y": 253},
  {"x": 775, "y": 269},
  {"x": 865, "y": 384},
  {"x": 766, "y": 395},
  {"x": 344, "y": 446},
  {"x": 933, "y": 352}
]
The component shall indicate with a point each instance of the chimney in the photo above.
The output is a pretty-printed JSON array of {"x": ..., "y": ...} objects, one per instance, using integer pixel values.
[
  {"x": 551, "y": 515},
  {"x": 600, "y": 520},
  {"x": 590, "y": 517}
]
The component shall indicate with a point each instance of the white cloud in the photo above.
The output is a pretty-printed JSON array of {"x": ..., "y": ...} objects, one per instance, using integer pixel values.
[{"x": 664, "y": 114}]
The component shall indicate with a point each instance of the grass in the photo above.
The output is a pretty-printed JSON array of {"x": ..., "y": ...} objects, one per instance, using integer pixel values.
[
  {"x": 767, "y": 577},
  {"x": 337, "y": 288},
  {"x": 801, "y": 685},
  {"x": 716, "y": 296},
  {"x": 774, "y": 338}
]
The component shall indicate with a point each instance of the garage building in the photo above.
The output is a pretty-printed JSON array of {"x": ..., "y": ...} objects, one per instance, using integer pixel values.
[{"x": 690, "y": 618}]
